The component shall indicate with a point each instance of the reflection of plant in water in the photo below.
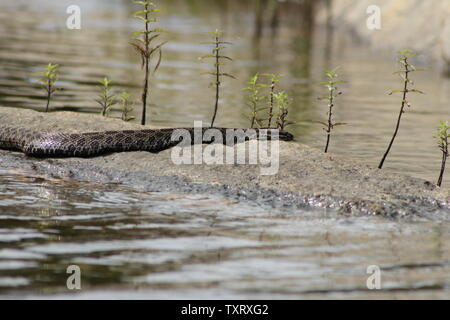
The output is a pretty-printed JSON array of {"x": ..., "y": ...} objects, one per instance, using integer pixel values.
[
  {"x": 106, "y": 98},
  {"x": 218, "y": 58},
  {"x": 254, "y": 100},
  {"x": 127, "y": 106},
  {"x": 48, "y": 80},
  {"x": 144, "y": 48},
  {"x": 333, "y": 92},
  {"x": 274, "y": 78},
  {"x": 442, "y": 137},
  {"x": 404, "y": 73}
]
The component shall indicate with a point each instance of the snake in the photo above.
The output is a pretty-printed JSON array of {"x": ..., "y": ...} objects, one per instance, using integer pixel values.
[{"x": 36, "y": 143}]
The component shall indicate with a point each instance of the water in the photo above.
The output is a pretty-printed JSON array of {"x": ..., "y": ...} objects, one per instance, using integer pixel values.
[
  {"x": 131, "y": 244},
  {"x": 155, "y": 245}
]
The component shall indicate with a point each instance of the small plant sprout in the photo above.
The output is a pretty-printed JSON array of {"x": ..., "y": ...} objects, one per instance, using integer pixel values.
[
  {"x": 282, "y": 101},
  {"x": 48, "y": 80},
  {"x": 218, "y": 74},
  {"x": 442, "y": 137},
  {"x": 143, "y": 45},
  {"x": 254, "y": 100},
  {"x": 333, "y": 92},
  {"x": 106, "y": 99},
  {"x": 404, "y": 74},
  {"x": 127, "y": 106},
  {"x": 274, "y": 78}
]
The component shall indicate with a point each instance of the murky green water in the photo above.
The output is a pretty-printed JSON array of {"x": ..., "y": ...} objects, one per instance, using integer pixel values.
[{"x": 153, "y": 245}]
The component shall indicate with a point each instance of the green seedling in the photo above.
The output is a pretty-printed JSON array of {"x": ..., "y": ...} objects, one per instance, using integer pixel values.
[
  {"x": 143, "y": 45},
  {"x": 333, "y": 92},
  {"x": 254, "y": 101},
  {"x": 273, "y": 78},
  {"x": 127, "y": 106},
  {"x": 48, "y": 81},
  {"x": 218, "y": 57},
  {"x": 281, "y": 102},
  {"x": 106, "y": 99},
  {"x": 442, "y": 137},
  {"x": 404, "y": 73}
]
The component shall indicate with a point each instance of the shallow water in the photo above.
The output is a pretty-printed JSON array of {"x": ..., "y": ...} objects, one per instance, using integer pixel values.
[{"x": 155, "y": 245}]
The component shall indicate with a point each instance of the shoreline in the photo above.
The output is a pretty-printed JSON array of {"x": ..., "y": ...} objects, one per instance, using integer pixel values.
[{"x": 307, "y": 178}]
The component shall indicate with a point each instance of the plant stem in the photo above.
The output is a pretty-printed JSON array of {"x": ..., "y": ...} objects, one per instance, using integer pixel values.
[
  {"x": 49, "y": 93},
  {"x": 272, "y": 92},
  {"x": 330, "y": 120},
  {"x": 444, "y": 160},
  {"x": 146, "y": 58},
  {"x": 405, "y": 91},
  {"x": 217, "y": 81}
]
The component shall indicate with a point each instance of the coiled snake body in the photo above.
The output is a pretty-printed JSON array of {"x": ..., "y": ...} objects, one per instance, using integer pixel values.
[{"x": 91, "y": 144}]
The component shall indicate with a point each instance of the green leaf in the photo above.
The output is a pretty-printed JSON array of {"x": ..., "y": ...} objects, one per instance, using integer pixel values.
[
  {"x": 225, "y": 57},
  {"x": 137, "y": 13},
  {"x": 142, "y": 18},
  {"x": 208, "y": 56},
  {"x": 209, "y": 73},
  {"x": 396, "y": 91},
  {"x": 157, "y": 47},
  {"x": 227, "y": 75},
  {"x": 159, "y": 61}
]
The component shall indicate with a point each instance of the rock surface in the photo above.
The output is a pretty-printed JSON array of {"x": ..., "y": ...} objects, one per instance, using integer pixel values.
[{"x": 306, "y": 176}]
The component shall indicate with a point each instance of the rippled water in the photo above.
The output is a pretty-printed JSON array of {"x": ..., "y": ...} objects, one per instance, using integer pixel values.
[{"x": 154, "y": 245}]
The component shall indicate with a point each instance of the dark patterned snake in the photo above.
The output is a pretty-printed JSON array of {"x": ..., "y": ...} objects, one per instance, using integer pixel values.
[{"x": 91, "y": 144}]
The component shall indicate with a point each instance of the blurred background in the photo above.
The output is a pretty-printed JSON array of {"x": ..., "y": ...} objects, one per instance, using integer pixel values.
[{"x": 297, "y": 39}]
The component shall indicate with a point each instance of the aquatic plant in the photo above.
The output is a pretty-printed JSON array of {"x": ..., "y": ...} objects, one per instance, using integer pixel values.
[
  {"x": 48, "y": 80},
  {"x": 219, "y": 45},
  {"x": 442, "y": 137},
  {"x": 254, "y": 100},
  {"x": 127, "y": 106},
  {"x": 143, "y": 45},
  {"x": 404, "y": 73},
  {"x": 106, "y": 98},
  {"x": 281, "y": 102},
  {"x": 333, "y": 92},
  {"x": 273, "y": 78}
]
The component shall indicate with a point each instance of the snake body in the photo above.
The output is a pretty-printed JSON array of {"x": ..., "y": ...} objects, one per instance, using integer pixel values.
[{"x": 91, "y": 144}]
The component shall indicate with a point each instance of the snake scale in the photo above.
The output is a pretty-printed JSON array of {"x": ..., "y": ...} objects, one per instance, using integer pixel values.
[{"x": 91, "y": 144}]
